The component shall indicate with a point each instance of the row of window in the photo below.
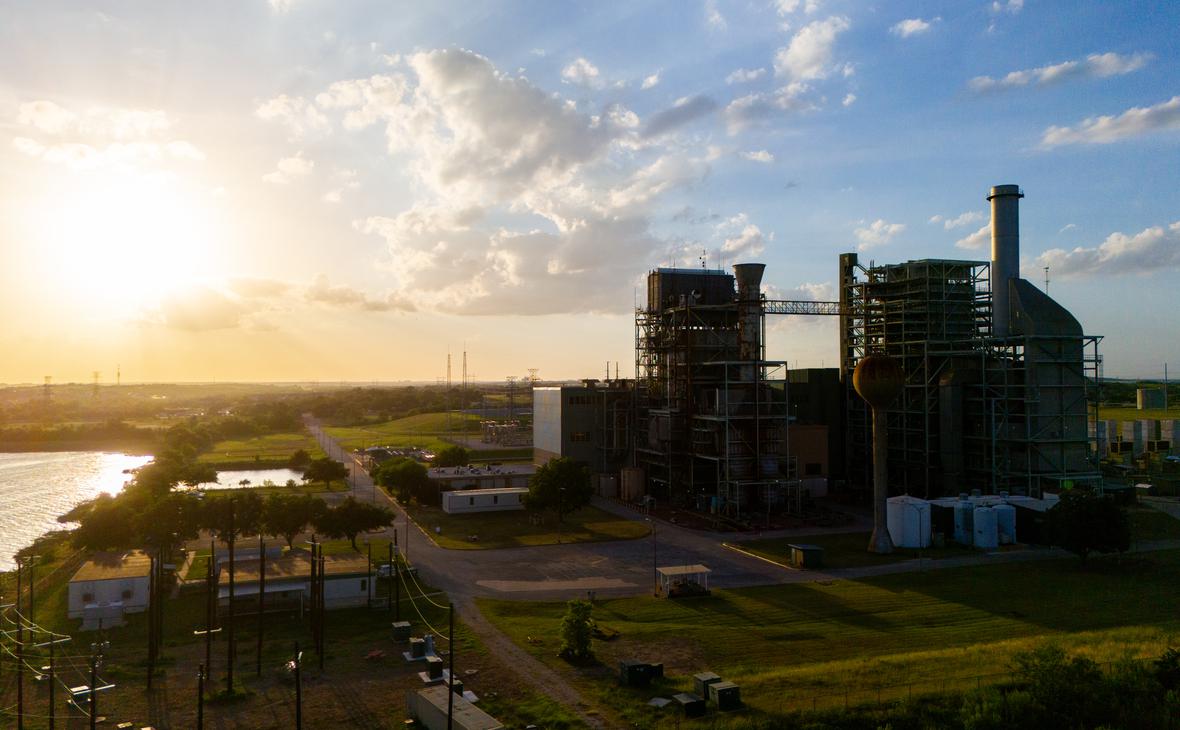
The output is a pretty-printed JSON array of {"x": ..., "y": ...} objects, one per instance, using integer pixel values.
[
  {"x": 580, "y": 400},
  {"x": 578, "y": 437}
]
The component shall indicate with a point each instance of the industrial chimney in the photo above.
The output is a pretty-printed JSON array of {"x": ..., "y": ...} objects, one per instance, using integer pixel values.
[
  {"x": 1005, "y": 200},
  {"x": 749, "y": 294}
]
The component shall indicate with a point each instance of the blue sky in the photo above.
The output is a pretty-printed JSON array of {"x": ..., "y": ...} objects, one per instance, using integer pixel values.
[{"x": 302, "y": 189}]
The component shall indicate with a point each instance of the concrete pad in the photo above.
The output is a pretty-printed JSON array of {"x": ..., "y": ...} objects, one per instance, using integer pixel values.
[{"x": 579, "y": 584}]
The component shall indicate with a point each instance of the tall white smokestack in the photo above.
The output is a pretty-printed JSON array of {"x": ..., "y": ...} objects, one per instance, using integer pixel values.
[
  {"x": 1005, "y": 200},
  {"x": 749, "y": 291}
]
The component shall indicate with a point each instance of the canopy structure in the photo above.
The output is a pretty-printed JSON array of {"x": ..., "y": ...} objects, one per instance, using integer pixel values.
[{"x": 678, "y": 575}]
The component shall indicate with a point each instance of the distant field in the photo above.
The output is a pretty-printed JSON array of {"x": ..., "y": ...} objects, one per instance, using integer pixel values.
[
  {"x": 1130, "y": 413},
  {"x": 514, "y": 529},
  {"x": 272, "y": 447},
  {"x": 789, "y": 646},
  {"x": 425, "y": 431}
]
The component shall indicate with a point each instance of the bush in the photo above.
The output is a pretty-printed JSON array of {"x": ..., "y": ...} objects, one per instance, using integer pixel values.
[{"x": 577, "y": 629}]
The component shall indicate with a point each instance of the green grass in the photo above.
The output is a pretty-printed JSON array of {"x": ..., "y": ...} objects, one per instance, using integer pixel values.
[
  {"x": 271, "y": 448},
  {"x": 515, "y": 529},
  {"x": 424, "y": 431},
  {"x": 1131, "y": 413},
  {"x": 843, "y": 550},
  {"x": 785, "y": 645},
  {"x": 1151, "y": 524}
]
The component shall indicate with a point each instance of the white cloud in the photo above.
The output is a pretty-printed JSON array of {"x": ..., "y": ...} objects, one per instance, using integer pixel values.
[
  {"x": 651, "y": 81},
  {"x": 976, "y": 240},
  {"x": 99, "y": 121},
  {"x": 346, "y": 297},
  {"x": 971, "y": 216},
  {"x": 582, "y": 73},
  {"x": 342, "y": 181},
  {"x": 1151, "y": 250},
  {"x": 298, "y": 115},
  {"x": 849, "y": 99},
  {"x": 911, "y": 27},
  {"x": 280, "y": 6},
  {"x": 809, "y": 54},
  {"x": 1007, "y": 6},
  {"x": 1095, "y": 65},
  {"x": 1164, "y": 116},
  {"x": 759, "y": 156},
  {"x": 713, "y": 17},
  {"x": 877, "y": 233},
  {"x": 787, "y": 7},
  {"x": 755, "y": 108},
  {"x": 745, "y": 75},
  {"x": 290, "y": 168},
  {"x": 81, "y": 156},
  {"x": 366, "y": 100},
  {"x": 1068, "y": 227}
]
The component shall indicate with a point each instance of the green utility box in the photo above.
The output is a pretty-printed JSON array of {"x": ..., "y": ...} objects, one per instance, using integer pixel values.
[{"x": 808, "y": 557}]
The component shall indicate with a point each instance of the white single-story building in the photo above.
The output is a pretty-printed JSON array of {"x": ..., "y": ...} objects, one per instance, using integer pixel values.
[
  {"x": 108, "y": 585},
  {"x": 483, "y": 500},
  {"x": 482, "y": 477},
  {"x": 288, "y": 581}
]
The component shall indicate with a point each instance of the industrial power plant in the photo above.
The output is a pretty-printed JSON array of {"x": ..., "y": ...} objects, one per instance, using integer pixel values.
[{"x": 998, "y": 388}]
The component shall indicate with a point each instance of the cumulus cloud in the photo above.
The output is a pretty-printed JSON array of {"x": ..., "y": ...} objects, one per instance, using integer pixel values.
[
  {"x": 759, "y": 156},
  {"x": 1007, "y": 6},
  {"x": 1152, "y": 249},
  {"x": 749, "y": 241},
  {"x": 745, "y": 75},
  {"x": 849, "y": 100},
  {"x": 787, "y": 7},
  {"x": 582, "y": 73},
  {"x": 198, "y": 309},
  {"x": 682, "y": 112},
  {"x": 364, "y": 100},
  {"x": 911, "y": 27},
  {"x": 1096, "y": 66},
  {"x": 1136, "y": 121},
  {"x": 290, "y": 168},
  {"x": 345, "y": 297},
  {"x": 297, "y": 114},
  {"x": 280, "y": 6},
  {"x": 651, "y": 81},
  {"x": 976, "y": 240},
  {"x": 809, "y": 54},
  {"x": 971, "y": 216},
  {"x": 877, "y": 233},
  {"x": 752, "y": 109}
]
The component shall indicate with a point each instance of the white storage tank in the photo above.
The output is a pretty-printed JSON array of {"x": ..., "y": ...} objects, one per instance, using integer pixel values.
[
  {"x": 908, "y": 519},
  {"x": 1006, "y": 523},
  {"x": 984, "y": 529},
  {"x": 964, "y": 512}
]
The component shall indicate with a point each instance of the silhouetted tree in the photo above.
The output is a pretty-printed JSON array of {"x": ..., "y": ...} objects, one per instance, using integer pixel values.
[
  {"x": 287, "y": 515},
  {"x": 405, "y": 477},
  {"x": 325, "y": 470},
  {"x": 452, "y": 456},
  {"x": 1084, "y": 522},
  {"x": 561, "y": 485},
  {"x": 350, "y": 518}
]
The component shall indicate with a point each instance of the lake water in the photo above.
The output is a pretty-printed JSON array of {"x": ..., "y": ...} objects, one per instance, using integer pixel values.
[
  {"x": 232, "y": 479},
  {"x": 37, "y": 487}
]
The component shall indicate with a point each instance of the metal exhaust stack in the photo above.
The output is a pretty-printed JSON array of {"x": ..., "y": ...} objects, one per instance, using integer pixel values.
[
  {"x": 749, "y": 292},
  {"x": 1005, "y": 200}
]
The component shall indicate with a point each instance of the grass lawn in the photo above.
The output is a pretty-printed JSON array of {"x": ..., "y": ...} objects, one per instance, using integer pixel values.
[
  {"x": 1152, "y": 524},
  {"x": 1131, "y": 413},
  {"x": 514, "y": 529},
  {"x": 273, "y": 447},
  {"x": 788, "y": 645},
  {"x": 424, "y": 431},
  {"x": 843, "y": 550}
]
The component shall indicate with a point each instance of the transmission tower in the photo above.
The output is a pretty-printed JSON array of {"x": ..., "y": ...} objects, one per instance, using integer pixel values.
[{"x": 94, "y": 390}]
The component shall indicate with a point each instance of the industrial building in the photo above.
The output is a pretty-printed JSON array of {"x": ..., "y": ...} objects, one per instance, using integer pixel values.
[
  {"x": 109, "y": 585},
  {"x": 998, "y": 382}
]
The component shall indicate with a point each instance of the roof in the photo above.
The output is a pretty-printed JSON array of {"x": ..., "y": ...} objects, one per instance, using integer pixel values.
[
  {"x": 496, "y": 490},
  {"x": 466, "y": 715},
  {"x": 675, "y": 570},
  {"x": 296, "y": 566},
  {"x": 114, "y": 566},
  {"x": 488, "y": 472}
]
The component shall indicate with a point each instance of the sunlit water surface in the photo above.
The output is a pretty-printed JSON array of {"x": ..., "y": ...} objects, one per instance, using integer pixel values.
[{"x": 37, "y": 487}]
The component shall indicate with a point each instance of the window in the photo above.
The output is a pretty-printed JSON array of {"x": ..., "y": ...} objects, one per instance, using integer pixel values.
[
  {"x": 495, "y": 499},
  {"x": 580, "y": 400},
  {"x": 365, "y": 584},
  {"x": 88, "y": 598},
  {"x": 580, "y": 437},
  {"x": 471, "y": 501},
  {"x": 126, "y": 594}
]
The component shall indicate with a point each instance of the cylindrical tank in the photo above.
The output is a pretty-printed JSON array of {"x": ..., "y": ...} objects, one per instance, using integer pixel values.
[
  {"x": 986, "y": 534},
  {"x": 1006, "y": 523},
  {"x": 1005, "y": 200},
  {"x": 964, "y": 522},
  {"x": 909, "y": 521}
]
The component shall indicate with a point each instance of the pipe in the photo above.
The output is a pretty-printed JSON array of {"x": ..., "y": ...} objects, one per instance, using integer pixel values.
[{"x": 1005, "y": 200}]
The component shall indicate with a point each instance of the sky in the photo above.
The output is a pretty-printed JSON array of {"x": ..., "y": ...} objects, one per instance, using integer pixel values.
[{"x": 342, "y": 190}]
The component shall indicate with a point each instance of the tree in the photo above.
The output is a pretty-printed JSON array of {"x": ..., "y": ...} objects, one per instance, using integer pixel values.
[
  {"x": 452, "y": 456},
  {"x": 350, "y": 518},
  {"x": 405, "y": 477},
  {"x": 577, "y": 629},
  {"x": 107, "y": 524},
  {"x": 233, "y": 515},
  {"x": 171, "y": 519},
  {"x": 287, "y": 515},
  {"x": 1084, "y": 522},
  {"x": 195, "y": 473},
  {"x": 325, "y": 470},
  {"x": 299, "y": 460},
  {"x": 561, "y": 485}
]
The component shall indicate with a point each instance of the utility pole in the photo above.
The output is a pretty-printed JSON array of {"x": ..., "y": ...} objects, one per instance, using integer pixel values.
[
  {"x": 451, "y": 671},
  {"x": 151, "y": 657},
  {"x": 322, "y": 622},
  {"x": 20, "y": 652},
  {"x": 201, "y": 697},
  {"x": 261, "y": 605},
  {"x": 229, "y": 648},
  {"x": 295, "y": 664},
  {"x": 368, "y": 574}
]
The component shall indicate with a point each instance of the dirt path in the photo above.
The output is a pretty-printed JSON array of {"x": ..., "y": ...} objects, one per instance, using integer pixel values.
[{"x": 532, "y": 671}]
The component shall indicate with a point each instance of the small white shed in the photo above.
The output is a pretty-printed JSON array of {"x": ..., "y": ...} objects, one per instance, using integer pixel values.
[
  {"x": 483, "y": 500},
  {"x": 108, "y": 585}
]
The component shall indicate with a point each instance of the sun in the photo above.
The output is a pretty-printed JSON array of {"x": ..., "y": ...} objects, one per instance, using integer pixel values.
[{"x": 121, "y": 244}]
